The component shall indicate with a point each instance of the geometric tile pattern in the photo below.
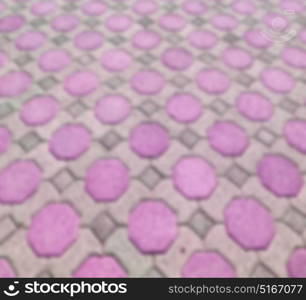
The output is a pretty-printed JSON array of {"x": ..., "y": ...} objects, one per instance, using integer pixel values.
[{"x": 149, "y": 138}]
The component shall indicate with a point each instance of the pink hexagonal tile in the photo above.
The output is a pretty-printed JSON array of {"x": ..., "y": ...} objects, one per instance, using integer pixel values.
[
  {"x": 81, "y": 83},
  {"x": 6, "y": 270},
  {"x": 184, "y": 107},
  {"x": 228, "y": 138},
  {"x": 53, "y": 230},
  {"x": 280, "y": 175},
  {"x": 112, "y": 109},
  {"x": 149, "y": 140},
  {"x": 194, "y": 178},
  {"x": 207, "y": 265},
  {"x": 14, "y": 83},
  {"x": 297, "y": 263},
  {"x": 177, "y": 59},
  {"x": 100, "y": 266},
  {"x": 277, "y": 80},
  {"x": 39, "y": 110},
  {"x": 30, "y": 40},
  {"x": 249, "y": 223},
  {"x": 19, "y": 181},
  {"x": 295, "y": 134},
  {"x": 70, "y": 141},
  {"x": 107, "y": 180},
  {"x": 254, "y": 106},
  {"x": 213, "y": 81},
  {"x": 152, "y": 226},
  {"x": 11, "y": 23},
  {"x": 148, "y": 82}
]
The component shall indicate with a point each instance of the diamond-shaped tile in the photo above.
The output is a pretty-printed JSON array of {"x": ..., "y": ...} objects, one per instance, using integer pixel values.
[
  {"x": 76, "y": 109},
  {"x": 198, "y": 21},
  {"x": 219, "y": 106},
  {"x": 29, "y": 141},
  {"x": 62, "y": 179},
  {"x": 251, "y": 22},
  {"x": 169, "y": 7},
  {"x": 60, "y": 40},
  {"x": 146, "y": 58},
  {"x": 174, "y": 38},
  {"x": 295, "y": 219},
  {"x": 231, "y": 38},
  {"x": 85, "y": 59},
  {"x": 262, "y": 271},
  {"x": 102, "y": 226},
  {"x": 92, "y": 22},
  {"x": 237, "y": 175},
  {"x": 245, "y": 79},
  {"x": 266, "y": 57},
  {"x": 207, "y": 57},
  {"x": 23, "y": 60},
  {"x": 289, "y": 105},
  {"x": 200, "y": 223},
  {"x": 69, "y": 7},
  {"x": 149, "y": 107},
  {"x": 38, "y": 22},
  {"x": 117, "y": 5},
  {"x": 5, "y": 110},
  {"x": 115, "y": 82},
  {"x": 7, "y": 228},
  {"x": 188, "y": 137},
  {"x": 150, "y": 177},
  {"x": 265, "y": 136},
  {"x": 180, "y": 81},
  {"x": 110, "y": 140},
  {"x": 117, "y": 40},
  {"x": 47, "y": 82},
  {"x": 145, "y": 22},
  {"x": 301, "y": 20}
]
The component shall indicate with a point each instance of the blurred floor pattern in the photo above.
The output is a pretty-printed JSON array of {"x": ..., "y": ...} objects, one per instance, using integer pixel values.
[{"x": 151, "y": 138}]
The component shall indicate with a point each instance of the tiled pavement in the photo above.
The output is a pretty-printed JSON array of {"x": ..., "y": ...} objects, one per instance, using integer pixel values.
[{"x": 152, "y": 138}]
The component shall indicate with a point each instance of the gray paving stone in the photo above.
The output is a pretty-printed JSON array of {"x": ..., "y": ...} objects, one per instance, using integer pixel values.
[
  {"x": 117, "y": 40},
  {"x": 85, "y": 59},
  {"x": 245, "y": 79},
  {"x": 115, "y": 82},
  {"x": 47, "y": 83},
  {"x": 146, "y": 21},
  {"x": 149, "y": 107},
  {"x": 266, "y": 136},
  {"x": 62, "y": 179},
  {"x": 180, "y": 81},
  {"x": 188, "y": 137},
  {"x": 295, "y": 219},
  {"x": 146, "y": 59},
  {"x": 60, "y": 40},
  {"x": 237, "y": 175},
  {"x": 200, "y": 223},
  {"x": 289, "y": 105},
  {"x": 76, "y": 109},
  {"x": 110, "y": 140},
  {"x": 219, "y": 106},
  {"x": 198, "y": 21},
  {"x": 103, "y": 226},
  {"x": 29, "y": 141},
  {"x": 150, "y": 177},
  {"x": 5, "y": 110}
]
